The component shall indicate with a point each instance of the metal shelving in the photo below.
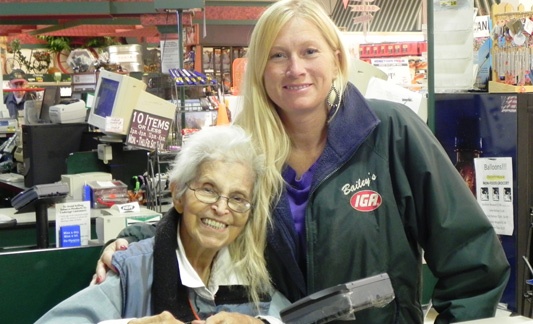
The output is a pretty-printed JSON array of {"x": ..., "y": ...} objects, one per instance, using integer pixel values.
[{"x": 158, "y": 195}]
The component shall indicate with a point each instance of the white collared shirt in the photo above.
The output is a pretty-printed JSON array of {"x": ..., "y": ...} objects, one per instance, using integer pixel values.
[{"x": 223, "y": 273}]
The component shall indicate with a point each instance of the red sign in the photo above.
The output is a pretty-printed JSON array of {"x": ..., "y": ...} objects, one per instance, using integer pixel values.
[{"x": 365, "y": 8}]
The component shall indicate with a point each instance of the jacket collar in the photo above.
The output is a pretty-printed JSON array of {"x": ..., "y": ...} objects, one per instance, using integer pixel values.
[
  {"x": 348, "y": 129},
  {"x": 168, "y": 293}
]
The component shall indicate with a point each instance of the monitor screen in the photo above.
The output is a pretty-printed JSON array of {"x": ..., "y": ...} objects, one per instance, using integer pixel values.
[
  {"x": 105, "y": 97},
  {"x": 51, "y": 97}
]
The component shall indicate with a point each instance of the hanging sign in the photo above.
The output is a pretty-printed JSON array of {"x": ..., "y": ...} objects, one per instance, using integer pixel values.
[
  {"x": 345, "y": 3},
  {"x": 148, "y": 130},
  {"x": 362, "y": 19},
  {"x": 364, "y": 8}
]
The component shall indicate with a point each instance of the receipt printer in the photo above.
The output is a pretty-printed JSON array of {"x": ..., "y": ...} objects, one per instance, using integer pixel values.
[
  {"x": 68, "y": 111},
  {"x": 111, "y": 221}
]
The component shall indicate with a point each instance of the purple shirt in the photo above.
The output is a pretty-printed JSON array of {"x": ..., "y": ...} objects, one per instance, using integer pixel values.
[{"x": 298, "y": 192}]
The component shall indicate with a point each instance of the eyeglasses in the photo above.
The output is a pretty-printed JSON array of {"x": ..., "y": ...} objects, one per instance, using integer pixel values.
[
  {"x": 208, "y": 196},
  {"x": 18, "y": 84}
]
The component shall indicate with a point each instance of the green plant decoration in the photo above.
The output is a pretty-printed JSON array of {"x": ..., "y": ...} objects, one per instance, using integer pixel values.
[
  {"x": 99, "y": 42},
  {"x": 56, "y": 44}
]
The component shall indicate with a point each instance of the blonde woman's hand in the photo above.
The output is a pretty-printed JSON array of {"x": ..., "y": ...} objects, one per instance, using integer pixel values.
[
  {"x": 230, "y": 318},
  {"x": 104, "y": 263}
]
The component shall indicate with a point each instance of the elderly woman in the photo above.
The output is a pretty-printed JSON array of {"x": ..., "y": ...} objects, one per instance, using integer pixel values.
[{"x": 206, "y": 260}]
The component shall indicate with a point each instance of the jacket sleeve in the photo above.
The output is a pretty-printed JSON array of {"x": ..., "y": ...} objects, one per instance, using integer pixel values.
[
  {"x": 90, "y": 305},
  {"x": 278, "y": 303},
  {"x": 460, "y": 245},
  {"x": 137, "y": 232}
]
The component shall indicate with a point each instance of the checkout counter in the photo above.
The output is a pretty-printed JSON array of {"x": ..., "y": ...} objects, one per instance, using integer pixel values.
[
  {"x": 34, "y": 280},
  {"x": 502, "y": 320}
]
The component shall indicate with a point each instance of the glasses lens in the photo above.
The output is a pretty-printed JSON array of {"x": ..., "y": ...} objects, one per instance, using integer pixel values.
[
  {"x": 18, "y": 84},
  {"x": 238, "y": 205},
  {"x": 207, "y": 196}
]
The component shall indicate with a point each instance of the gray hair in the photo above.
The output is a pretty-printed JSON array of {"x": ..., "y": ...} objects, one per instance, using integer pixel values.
[{"x": 220, "y": 143}]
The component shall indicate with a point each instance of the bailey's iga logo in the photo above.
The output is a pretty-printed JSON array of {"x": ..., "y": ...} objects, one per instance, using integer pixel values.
[{"x": 365, "y": 200}]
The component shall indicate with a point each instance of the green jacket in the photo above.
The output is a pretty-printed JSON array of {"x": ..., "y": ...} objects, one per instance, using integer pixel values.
[{"x": 384, "y": 190}]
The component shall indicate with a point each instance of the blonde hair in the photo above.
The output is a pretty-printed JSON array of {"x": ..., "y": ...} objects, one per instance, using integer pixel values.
[
  {"x": 259, "y": 116},
  {"x": 232, "y": 144}
]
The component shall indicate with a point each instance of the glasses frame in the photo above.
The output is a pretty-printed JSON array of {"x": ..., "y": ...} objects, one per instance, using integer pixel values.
[
  {"x": 18, "y": 84},
  {"x": 228, "y": 200}
]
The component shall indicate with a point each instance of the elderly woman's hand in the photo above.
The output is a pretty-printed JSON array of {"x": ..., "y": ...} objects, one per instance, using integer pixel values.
[
  {"x": 104, "y": 263},
  {"x": 230, "y": 318},
  {"x": 163, "y": 318}
]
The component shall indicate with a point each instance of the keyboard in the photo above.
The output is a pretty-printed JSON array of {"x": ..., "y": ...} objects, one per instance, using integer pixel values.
[{"x": 11, "y": 177}]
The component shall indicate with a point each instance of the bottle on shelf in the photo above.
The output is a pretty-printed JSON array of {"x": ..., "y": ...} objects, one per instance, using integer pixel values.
[{"x": 468, "y": 146}]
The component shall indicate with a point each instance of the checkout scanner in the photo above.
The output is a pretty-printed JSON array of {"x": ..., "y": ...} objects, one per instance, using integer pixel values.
[
  {"x": 341, "y": 301},
  {"x": 68, "y": 111}
]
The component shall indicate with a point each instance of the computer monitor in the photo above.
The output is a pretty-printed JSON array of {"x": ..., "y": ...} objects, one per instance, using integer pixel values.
[
  {"x": 51, "y": 97},
  {"x": 115, "y": 98},
  {"x": 32, "y": 111},
  {"x": 44, "y": 161}
]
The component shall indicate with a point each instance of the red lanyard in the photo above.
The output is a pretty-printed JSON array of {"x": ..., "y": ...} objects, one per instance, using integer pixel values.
[{"x": 193, "y": 310}]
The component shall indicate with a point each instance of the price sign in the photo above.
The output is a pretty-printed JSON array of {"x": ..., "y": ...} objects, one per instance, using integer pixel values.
[{"x": 148, "y": 130}]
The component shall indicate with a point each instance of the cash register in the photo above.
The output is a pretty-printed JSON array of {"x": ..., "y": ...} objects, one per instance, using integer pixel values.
[{"x": 38, "y": 198}]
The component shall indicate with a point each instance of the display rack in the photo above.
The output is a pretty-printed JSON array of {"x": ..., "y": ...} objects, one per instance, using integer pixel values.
[
  {"x": 158, "y": 195},
  {"x": 196, "y": 107},
  {"x": 511, "y": 52}
]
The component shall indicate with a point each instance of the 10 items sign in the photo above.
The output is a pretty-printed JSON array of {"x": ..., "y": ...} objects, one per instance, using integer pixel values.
[{"x": 148, "y": 130}]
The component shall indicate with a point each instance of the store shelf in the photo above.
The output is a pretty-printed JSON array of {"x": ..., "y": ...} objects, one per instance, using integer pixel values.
[{"x": 499, "y": 87}]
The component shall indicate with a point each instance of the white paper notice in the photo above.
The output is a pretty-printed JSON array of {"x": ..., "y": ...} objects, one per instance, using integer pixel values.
[
  {"x": 74, "y": 213},
  {"x": 170, "y": 54},
  {"x": 114, "y": 124},
  {"x": 494, "y": 191}
]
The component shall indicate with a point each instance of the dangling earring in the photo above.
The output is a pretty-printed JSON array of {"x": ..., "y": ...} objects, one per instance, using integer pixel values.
[
  {"x": 336, "y": 101},
  {"x": 335, "y": 105}
]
